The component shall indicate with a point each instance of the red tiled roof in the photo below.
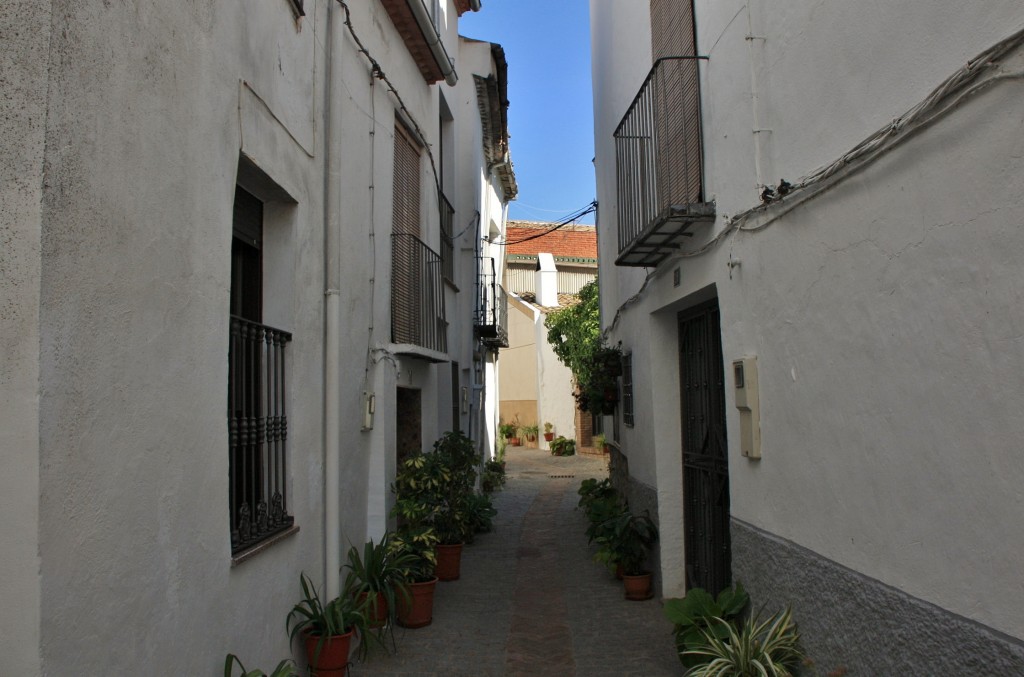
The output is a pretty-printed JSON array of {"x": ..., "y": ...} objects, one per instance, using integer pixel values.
[{"x": 571, "y": 240}]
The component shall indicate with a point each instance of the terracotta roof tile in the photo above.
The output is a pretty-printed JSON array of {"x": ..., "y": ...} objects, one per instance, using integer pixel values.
[{"x": 571, "y": 240}]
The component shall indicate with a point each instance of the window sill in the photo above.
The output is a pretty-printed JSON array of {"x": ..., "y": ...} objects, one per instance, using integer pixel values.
[
  {"x": 246, "y": 555},
  {"x": 451, "y": 285}
]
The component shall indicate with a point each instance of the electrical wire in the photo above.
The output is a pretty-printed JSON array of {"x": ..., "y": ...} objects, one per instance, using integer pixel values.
[
  {"x": 572, "y": 218},
  {"x": 378, "y": 72},
  {"x": 973, "y": 77}
]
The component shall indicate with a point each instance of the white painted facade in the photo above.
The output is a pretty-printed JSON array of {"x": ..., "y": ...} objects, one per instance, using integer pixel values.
[
  {"x": 883, "y": 312},
  {"x": 122, "y": 134}
]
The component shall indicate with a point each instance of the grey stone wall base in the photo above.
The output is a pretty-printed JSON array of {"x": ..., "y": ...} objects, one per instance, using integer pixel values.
[
  {"x": 641, "y": 497},
  {"x": 849, "y": 620}
]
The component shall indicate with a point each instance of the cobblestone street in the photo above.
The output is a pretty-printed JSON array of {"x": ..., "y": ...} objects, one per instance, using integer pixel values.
[{"x": 530, "y": 600}]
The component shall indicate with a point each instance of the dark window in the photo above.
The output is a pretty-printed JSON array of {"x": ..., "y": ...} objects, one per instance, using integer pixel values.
[
  {"x": 627, "y": 389},
  {"x": 257, "y": 422}
]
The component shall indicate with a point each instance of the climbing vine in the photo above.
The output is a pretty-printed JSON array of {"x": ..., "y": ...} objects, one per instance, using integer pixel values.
[{"x": 574, "y": 333}]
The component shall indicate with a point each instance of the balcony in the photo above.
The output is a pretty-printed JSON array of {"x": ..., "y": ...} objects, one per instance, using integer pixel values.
[
  {"x": 490, "y": 319},
  {"x": 417, "y": 299},
  {"x": 418, "y": 24},
  {"x": 447, "y": 243},
  {"x": 658, "y": 163}
]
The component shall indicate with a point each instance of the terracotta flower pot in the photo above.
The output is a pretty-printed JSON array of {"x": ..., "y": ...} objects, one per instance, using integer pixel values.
[
  {"x": 549, "y": 436},
  {"x": 376, "y": 612},
  {"x": 418, "y": 610},
  {"x": 332, "y": 659},
  {"x": 513, "y": 441},
  {"x": 638, "y": 588},
  {"x": 449, "y": 562}
]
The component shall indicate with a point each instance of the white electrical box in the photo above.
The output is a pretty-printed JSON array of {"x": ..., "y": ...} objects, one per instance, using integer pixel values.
[
  {"x": 744, "y": 372},
  {"x": 369, "y": 409}
]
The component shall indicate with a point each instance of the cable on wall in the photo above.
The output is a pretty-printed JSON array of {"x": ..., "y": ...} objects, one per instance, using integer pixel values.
[
  {"x": 975, "y": 76},
  {"x": 572, "y": 218},
  {"x": 378, "y": 72}
]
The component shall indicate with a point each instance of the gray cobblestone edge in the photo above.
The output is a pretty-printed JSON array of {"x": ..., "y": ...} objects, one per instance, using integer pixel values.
[{"x": 848, "y": 619}]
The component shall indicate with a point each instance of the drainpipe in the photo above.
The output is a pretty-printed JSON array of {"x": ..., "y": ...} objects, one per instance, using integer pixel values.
[
  {"x": 332, "y": 319},
  {"x": 426, "y": 25}
]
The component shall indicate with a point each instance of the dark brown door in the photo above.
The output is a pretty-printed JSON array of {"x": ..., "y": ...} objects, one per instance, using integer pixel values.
[{"x": 705, "y": 452}]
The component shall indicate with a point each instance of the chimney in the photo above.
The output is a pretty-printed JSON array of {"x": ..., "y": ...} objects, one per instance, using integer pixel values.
[{"x": 547, "y": 281}]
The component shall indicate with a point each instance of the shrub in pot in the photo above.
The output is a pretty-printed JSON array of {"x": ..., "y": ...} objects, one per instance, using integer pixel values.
[
  {"x": 326, "y": 628},
  {"x": 417, "y": 547},
  {"x": 377, "y": 576},
  {"x": 769, "y": 648},
  {"x": 625, "y": 540},
  {"x": 693, "y": 617},
  {"x": 560, "y": 446},
  {"x": 285, "y": 668},
  {"x": 549, "y": 431}
]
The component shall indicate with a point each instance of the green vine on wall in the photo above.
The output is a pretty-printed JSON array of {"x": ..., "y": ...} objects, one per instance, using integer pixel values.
[{"x": 574, "y": 333}]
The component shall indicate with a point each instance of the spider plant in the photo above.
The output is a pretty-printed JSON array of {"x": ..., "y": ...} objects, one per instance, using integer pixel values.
[
  {"x": 768, "y": 648},
  {"x": 285, "y": 668},
  {"x": 379, "y": 571},
  {"x": 339, "y": 616}
]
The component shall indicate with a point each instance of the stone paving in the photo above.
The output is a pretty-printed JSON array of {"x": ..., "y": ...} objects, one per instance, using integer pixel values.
[{"x": 530, "y": 601}]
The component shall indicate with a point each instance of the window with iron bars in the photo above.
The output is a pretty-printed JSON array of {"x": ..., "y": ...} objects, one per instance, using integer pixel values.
[{"x": 257, "y": 419}]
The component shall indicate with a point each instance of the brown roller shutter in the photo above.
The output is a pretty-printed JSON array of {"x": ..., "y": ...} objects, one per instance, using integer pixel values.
[
  {"x": 406, "y": 273},
  {"x": 673, "y": 33}
]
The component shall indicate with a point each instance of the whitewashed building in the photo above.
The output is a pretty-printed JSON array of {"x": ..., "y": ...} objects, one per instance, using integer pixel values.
[
  {"x": 810, "y": 245},
  {"x": 237, "y": 281}
]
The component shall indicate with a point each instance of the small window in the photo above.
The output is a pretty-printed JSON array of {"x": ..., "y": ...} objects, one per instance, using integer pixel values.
[{"x": 627, "y": 389}]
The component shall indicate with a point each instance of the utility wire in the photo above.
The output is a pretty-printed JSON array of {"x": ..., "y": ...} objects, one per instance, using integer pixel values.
[
  {"x": 378, "y": 73},
  {"x": 966, "y": 82},
  {"x": 572, "y": 218}
]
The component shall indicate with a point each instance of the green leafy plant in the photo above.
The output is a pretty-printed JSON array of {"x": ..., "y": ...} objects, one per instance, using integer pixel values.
[
  {"x": 574, "y": 334},
  {"x": 416, "y": 547},
  {"x": 625, "y": 539},
  {"x": 508, "y": 430},
  {"x": 380, "y": 570},
  {"x": 337, "y": 617},
  {"x": 768, "y": 648},
  {"x": 599, "y": 441},
  {"x": 548, "y": 426},
  {"x": 693, "y": 615},
  {"x": 529, "y": 431},
  {"x": 493, "y": 476},
  {"x": 480, "y": 513},
  {"x": 592, "y": 490},
  {"x": 561, "y": 446},
  {"x": 285, "y": 668}
]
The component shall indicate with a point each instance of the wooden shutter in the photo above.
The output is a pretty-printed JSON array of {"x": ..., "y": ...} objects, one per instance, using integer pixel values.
[
  {"x": 406, "y": 273},
  {"x": 407, "y": 184},
  {"x": 673, "y": 33}
]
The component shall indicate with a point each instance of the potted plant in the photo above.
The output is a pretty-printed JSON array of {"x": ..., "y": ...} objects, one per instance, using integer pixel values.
[
  {"x": 549, "y": 431},
  {"x": 770, "y": 648},
  {"x": 529, "y": 432},
  {"x": 326, "y": 629},
  {"x": 693, "y": 619},
  {"x": 507, "y": 430},
  {"x": 458, "y": 458},
  {"x": 416, "y": 546},
  {"x": 626, "y": 540},
  {"x": 416, "y": 487},
  {"x": 377, "y": 579},
  {"x": 285, "y": 668},
  {"x": 561, "y": 446},
  {"x": 600, "y": 444}
]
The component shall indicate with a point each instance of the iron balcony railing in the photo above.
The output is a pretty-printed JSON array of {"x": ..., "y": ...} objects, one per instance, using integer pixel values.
[
  {"x": 491, "y": 315},
  {"x": 257, "y": 433},
  {"x": 658, "y": 162},
  {"x": 417, "y": 295},
  {"x": 447, "y": 244}
]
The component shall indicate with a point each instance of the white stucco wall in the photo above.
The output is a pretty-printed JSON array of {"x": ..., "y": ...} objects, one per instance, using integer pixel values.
[
  {"x": 25, "y": 34},
  {"x": 555, "y": 402},
  {"x": 880, "y": 312},
  {"x": 117, "y": 216}
]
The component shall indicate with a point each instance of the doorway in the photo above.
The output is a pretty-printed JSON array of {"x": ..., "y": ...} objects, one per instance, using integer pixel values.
[{"x": 705, "y": 452}]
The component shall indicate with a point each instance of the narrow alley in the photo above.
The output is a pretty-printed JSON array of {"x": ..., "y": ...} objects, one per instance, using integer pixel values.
[{"x": 530, "y": 601}]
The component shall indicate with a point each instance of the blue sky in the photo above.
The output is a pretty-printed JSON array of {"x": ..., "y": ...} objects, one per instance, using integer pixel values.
[{"x": 547, "y": 44}]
